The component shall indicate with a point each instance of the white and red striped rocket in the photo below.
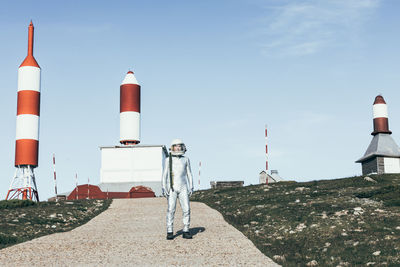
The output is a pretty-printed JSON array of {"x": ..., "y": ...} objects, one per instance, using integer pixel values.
[
  {"x": 129, "y": 110},
  {"x": 27, "y": 126},
  {"x": 381, "y": 121},
  {"x": 28, "y": 109}
]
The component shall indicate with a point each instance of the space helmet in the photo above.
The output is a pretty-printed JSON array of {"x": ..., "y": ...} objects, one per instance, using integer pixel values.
[{"x": 177, "y": 147}]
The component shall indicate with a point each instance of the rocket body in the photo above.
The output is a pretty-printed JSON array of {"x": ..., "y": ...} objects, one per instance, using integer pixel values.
[
  {"x": 28, "y": 109},
  {"x": 381, "y": 121},
  {"x": 130, "y": 110}
]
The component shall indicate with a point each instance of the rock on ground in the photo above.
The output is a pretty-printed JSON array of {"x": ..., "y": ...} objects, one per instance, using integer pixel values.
[{"x": 132, "y": 233}]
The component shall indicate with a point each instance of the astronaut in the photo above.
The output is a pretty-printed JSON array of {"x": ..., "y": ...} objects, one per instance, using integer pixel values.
[{"x": 177, "y": 183}]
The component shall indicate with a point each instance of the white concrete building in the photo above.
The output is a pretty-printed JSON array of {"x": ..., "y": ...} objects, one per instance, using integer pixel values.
[{"x": 123, "y": 167}]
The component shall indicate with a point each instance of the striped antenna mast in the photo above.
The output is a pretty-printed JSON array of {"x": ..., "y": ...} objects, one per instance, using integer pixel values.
[
  {"x": 55, "y": 176},
  {"x": 76, "y": 185},
  {"x": 266, "y": 152},
  {"x": 88, "y": 189},
  {"x": 199, "y": 172}
]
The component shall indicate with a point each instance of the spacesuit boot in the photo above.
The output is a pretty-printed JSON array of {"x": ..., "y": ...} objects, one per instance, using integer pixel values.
[
  {"x": 170, "y": 235},
  {"x": 187, "y": 235}
]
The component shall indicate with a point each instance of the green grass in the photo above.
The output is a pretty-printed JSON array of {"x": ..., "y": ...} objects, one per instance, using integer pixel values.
[
  {"x": 24, "y": 220},
  {"x": 334, "y": 222}
]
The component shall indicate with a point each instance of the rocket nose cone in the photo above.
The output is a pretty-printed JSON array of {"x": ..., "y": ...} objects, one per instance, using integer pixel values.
[
  {"x": 130, "y": 79},
  {"x": 379, "y": 100}
]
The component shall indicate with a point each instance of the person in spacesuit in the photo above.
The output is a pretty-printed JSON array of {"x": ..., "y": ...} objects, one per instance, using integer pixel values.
[{"x": 177, "y": 183}]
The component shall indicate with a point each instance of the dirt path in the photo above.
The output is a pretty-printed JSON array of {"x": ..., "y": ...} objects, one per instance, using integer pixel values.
[{"x": 132, "y": 233}]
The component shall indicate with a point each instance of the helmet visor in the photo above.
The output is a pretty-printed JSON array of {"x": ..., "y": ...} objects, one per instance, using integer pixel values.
[{"x": 178, "y": 148}]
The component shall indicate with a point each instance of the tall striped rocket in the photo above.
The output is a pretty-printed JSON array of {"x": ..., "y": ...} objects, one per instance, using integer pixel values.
[
  {"x": 381, "y": 121},
  {"x": 129, "y": 110},
  {"x": 28, "y": 109}
]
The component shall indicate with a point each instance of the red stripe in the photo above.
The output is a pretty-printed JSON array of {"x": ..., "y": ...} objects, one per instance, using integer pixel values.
[
  {"x": 130, "y": 97},
  {"x": 379, "y": 100},
  {"x": 26, "y": 152},
  {"x": 266, "y": 149},
  {"x": 28, "y": 102},
  {"x": 30, "y": 60},
  {"x": 381, "y": 125}
]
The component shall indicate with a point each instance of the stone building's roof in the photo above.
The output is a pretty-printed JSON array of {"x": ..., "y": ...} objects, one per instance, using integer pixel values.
[{"x": 381, "y": 145}]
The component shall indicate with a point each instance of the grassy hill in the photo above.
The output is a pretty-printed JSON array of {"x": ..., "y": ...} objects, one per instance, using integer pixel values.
[
  {"x": 22, "y": 220},
  {"x": 341, "y": 222}
]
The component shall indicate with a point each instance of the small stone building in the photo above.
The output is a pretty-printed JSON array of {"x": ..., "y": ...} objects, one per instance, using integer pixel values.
[
  {"x": 382, "y": 156},
  {"x": 226, "y": 184}
]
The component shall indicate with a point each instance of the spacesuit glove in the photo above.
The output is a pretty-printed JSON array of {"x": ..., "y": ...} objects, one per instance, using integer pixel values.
[
  {"x": 190, "y": 192},
  {"x": 165, "y": 192}
]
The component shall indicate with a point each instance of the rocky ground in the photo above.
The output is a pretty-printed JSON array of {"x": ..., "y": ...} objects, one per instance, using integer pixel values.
[
  {"x": 24, "y": 220},
  {"x": 342, "y": 222}
]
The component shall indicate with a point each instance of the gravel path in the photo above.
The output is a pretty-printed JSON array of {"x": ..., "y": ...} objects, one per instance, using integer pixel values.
[{"x": 132, "y": 233}]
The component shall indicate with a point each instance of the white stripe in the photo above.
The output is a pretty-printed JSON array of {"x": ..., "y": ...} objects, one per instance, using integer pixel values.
[
  {"x": 130, "y": 79},
  {"x": 29, "y": 78},
  {"x": 380, "y": 110},
  {"x": 129, "y": 125},
  {"x": 27, "y": 127}
]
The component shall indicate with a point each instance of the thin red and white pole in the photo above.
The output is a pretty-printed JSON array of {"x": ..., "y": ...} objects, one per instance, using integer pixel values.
[
  {"x": 88, "y": 189},
  {"x": 199, "y": 172},
  {"x": 266, "y": 152},
  {"x": 76, "y": 185},
  {"x": 55, "y": 176}
]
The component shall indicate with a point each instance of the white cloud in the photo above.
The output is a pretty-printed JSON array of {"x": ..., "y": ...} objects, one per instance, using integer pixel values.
[{"x": 307, "y": 26}]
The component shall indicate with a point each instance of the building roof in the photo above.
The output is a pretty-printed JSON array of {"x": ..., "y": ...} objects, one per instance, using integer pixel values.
[
  {"x": 136, "y": 146},
  {"x": 274, "y": 175},
  {"x": 382, "y": 145}
]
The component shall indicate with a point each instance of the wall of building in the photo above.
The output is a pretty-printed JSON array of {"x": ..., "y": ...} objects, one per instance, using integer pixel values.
[
  {"x": 373, "y": 165},
  {"x": 125, "y": 166},
  {"x": 391, "y": 165},
  {"x": 226, "y": 184}
]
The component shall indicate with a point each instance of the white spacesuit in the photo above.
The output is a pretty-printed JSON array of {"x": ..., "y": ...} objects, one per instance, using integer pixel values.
[{"x": 177, "y": 183}]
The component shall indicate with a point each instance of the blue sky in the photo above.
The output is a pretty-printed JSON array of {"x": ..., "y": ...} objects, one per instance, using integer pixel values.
[{"x": 212, "y": 73}]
